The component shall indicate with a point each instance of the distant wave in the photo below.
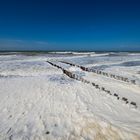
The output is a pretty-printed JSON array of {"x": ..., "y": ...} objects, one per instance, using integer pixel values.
[{"x": 76, "y": 53}]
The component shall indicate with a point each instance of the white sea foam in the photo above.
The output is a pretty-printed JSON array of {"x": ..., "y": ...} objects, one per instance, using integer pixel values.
[{"x": 39, "y": 102}]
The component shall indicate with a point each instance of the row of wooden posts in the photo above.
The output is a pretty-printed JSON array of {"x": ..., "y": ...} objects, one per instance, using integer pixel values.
[
  {"x": 76, "y": 77},
  {"x": 103, "y": 73}
]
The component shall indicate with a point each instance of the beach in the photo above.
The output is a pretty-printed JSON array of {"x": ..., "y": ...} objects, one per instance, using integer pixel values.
[{"x": 70, "y": 96}]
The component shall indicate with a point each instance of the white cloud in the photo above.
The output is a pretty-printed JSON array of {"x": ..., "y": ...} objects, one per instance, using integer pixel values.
[
  {"x": 11, "y": 44},
  {"x": 41, "y": 42}
]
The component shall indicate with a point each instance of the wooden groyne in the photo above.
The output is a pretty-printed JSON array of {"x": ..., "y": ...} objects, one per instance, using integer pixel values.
[
  {"x": 77, "y": 77},
  {"x": 121, "y": 78}
]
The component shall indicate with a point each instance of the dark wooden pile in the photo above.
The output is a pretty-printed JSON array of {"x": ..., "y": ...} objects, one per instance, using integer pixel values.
[{"x": 124, "y": 79}]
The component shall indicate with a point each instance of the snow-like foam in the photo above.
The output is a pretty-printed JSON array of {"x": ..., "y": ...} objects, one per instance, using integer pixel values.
[{"x": 40, "y": 102}]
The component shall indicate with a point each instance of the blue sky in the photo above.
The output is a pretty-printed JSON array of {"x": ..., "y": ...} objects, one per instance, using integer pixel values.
[{"x": 70, "y": 25}]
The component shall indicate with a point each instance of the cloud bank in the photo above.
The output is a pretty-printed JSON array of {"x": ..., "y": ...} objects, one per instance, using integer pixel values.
[{"x": 9, "y": 44}]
